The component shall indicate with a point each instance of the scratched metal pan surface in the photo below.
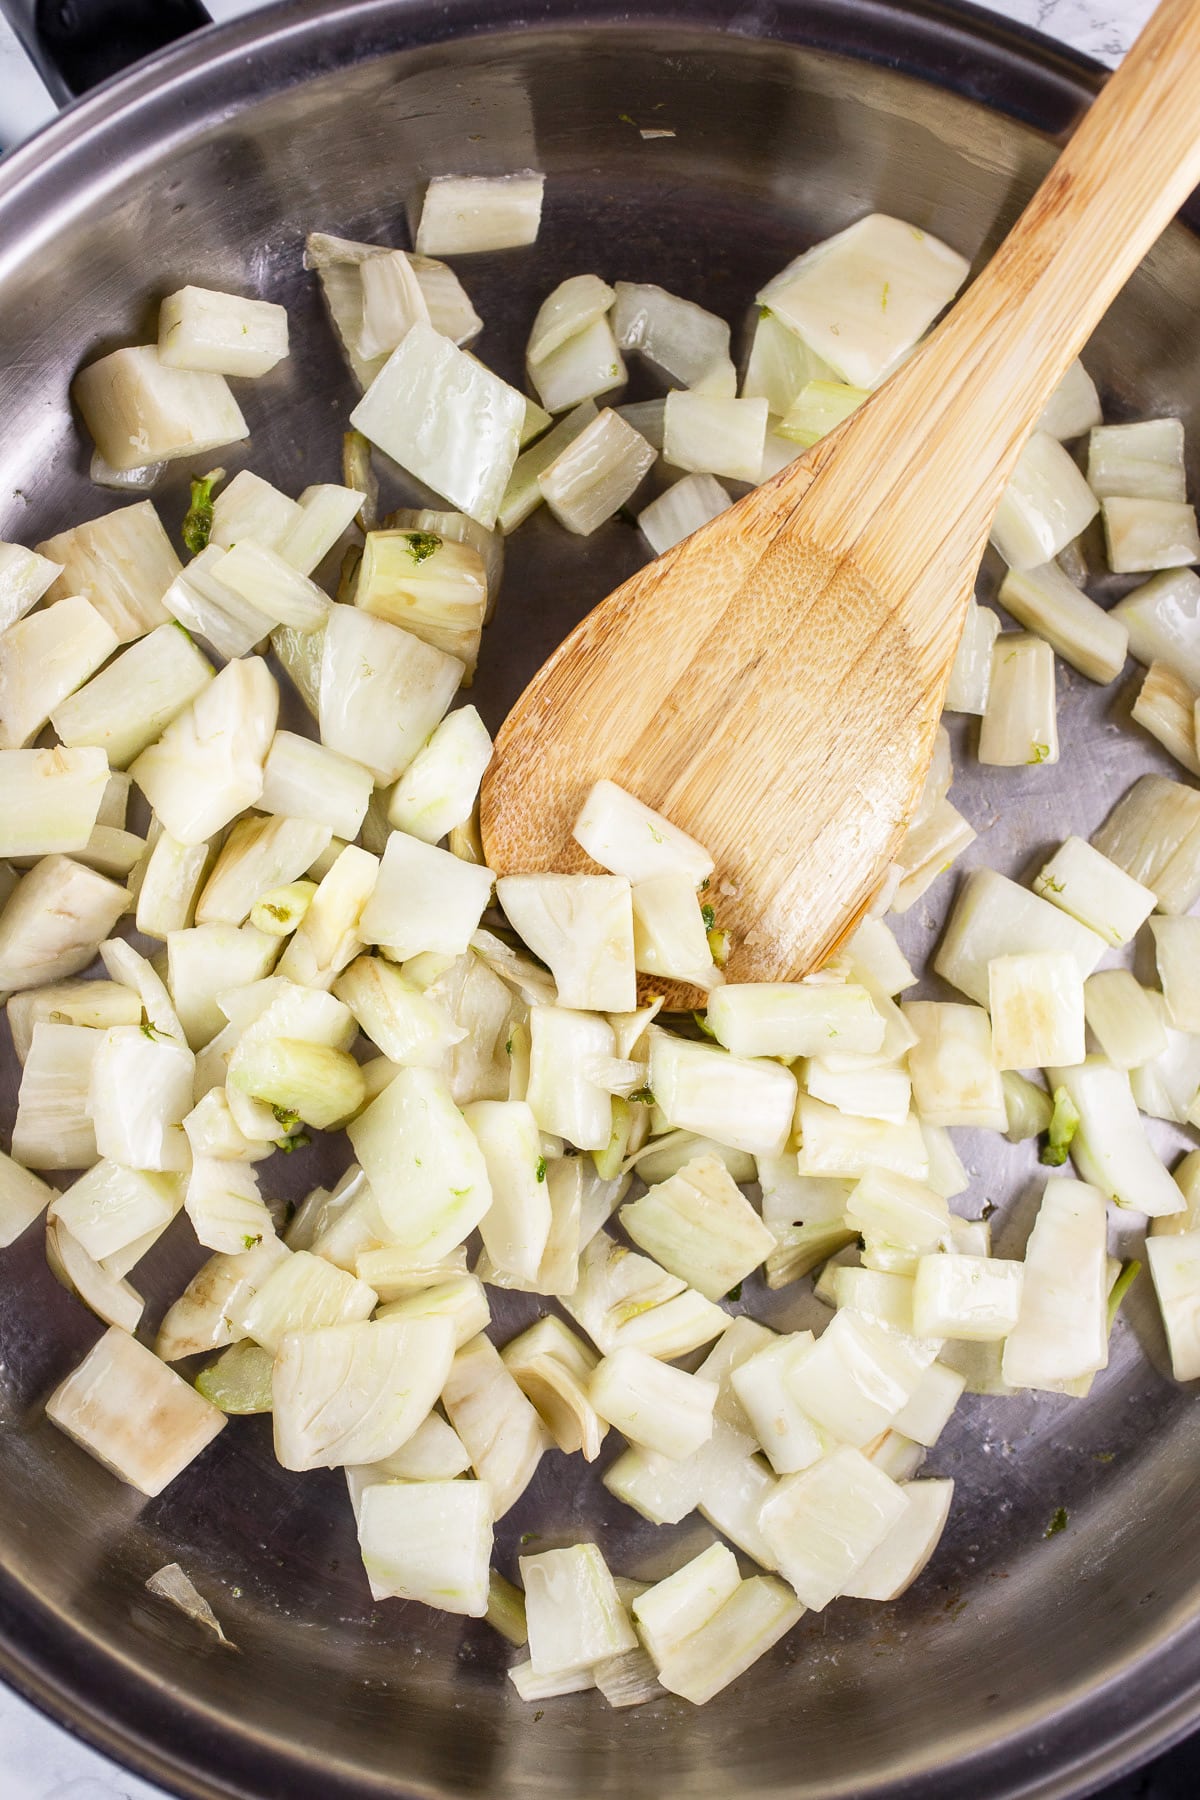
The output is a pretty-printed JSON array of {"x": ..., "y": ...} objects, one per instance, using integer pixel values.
[{"x": 1019, "y": 1664}]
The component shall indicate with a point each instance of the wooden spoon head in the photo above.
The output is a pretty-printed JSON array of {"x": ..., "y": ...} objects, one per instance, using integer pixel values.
[{"x": 762, "y": 694}]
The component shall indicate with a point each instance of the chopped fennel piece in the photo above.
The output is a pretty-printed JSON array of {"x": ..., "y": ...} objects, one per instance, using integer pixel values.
[
  {"x": 392, "y": 303},
  {"x": 133, "y": 1414},
  {"x": 664, "y": 1156},
  {"x": 279, "y": 911},
  {"x": 249, "y": 507},
  {"x": 1163, "y": 620},
  {"x": 304, "y": 780},
  {"x": 549, "y": 1687},
  {"x": 54, "y": 921},
  {"x": 1166, "y": 708},
  {"x": 1062, "y": 1330},
  {"x": 1166, "y": 1087},
  {"x": 596, "y": 473},
  {"x": 204, "y": 962},
  {"x": 581, "y": 926},
  {"x": 566, "y": 311},
  {"x": 260, "y": 854},
  {"x": 786, "y": 1433},
  {"x": 208, "y": 764},
  {"x": 327, "y": 936},
  {"x": 411, "y": 1029},
  {"x": 862, "y": 298},
  {"x": 429, "y": 1541},
  {"x": 669, "y": 934},
  {"x": 886, "y": 1298},
  {"x": 177, "y": 1589},
  {"x": 25, "y": 576},
  {"x": 646, "y": 417},
  {"x": 954, "y": 1073},
  {"x": 1073, "y": 407},
  {"x": 682, "y": 509},
  {"x": 1175, "y": 1271},
  {"x": 437, "y": 791},
  {"x": 623, "y": 1300},
  {"x": 993, "y": 917},
  {"x": 434, "y": 1452},
  {"x": 1126, "y": 1023},
  {"x": 661, "y": 1408},
  {"x": 200, "y": 1320},
  {"x": 631, "y": 839},
  {"x": 1144, "y": 461},
  {"x": 817, "y": 409},
  {"x": 1153, "y": 833},
  {"x": 879, "y": 1092},
  {"x": 199, "y": 328},
  {"x": 889, "y": 1208},
  {"x": 779, "y": 364},
  {"x": 123, "y": 563},
  {"x": 53, "y": 1128},
  {"x": 971, "y": 673},
  {"x": 24, "y": 1197},
  {"x": 1046, "y": 504},
  {"x": 224, "y": 1205},
  {"x": 1176, "y": 945},
  {"x": 795, "y": 1018},
  {"x": 1045, "y": 601},
  {"x": 563, "y": 1098},
  {"x": 204, "y": 606},
  {"x": 553, "y": 1366},
  {"x": 299, "y": 1293},
  {"x": 927, "y": 850},
  {"x": 425, "y": 1167},
  {"x": 1143, "y": 535},
  {"x": 140, "y": 410},
  {"x": 43, "y": 659},
  {"x": 746, "y": 1103},
  {"x": 355, "y": 1393},
  {"x": 1110, "y": 1148},
  {"x": 857, "y": 1376},
  {"x": 382, "y": 690},
  {"x": 111, "y": 1207},
  {"x": 96, "y": 1003},
  {"x": 585, "y": 365},
  {"x": 699, "y": 1226},
  {"x": 424, "y": 899},
  {"x": 895, "y": 1564},
  {"x": 523, "y": 495},
  {"x": 757, "y": 1614},
  {"x": 833, "y": 1143},
  {"x": 428, "y": 585},
  {"x": 264, "y": 580},
  {"x": 466, "y": 213},
  {"x": 1020, "y": 721},
  {"x": 671, "y": 1611},
  {"x": 789, "y": 1198},
  {"x": 573, "y": 1611},
  {"x": 460, "y": 1299},
  {"x": 211, "y": 1131},
  {"x": 711, "y": 434},
  {"x": 139, "y": 1095},
  {"x": 445, "y": 419},
  {"x": 946, "y": 1176},
  {"x": 497, "y": 1424},
  {"x": 516, "y": 1226},
  {"x": 109, "y": 1296},
  {"x": 928, "y": 1413},
  {"x": 51, "y": 799},
  {"x": 691, "y": 345},
  {"x": 326, "y": 512},
  {"x": 126, "y": 706},
  {"x": 824, "y": 1522},
  {"x": 972, "y": 1297},
  {"x": 1036, "y": 1005},
  {"x": 1096, "y": 891}
]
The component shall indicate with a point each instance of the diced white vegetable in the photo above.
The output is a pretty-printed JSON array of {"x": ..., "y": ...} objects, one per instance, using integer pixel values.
[
  {"x": 426, "y": 1170},
  {"x": 424, "y": 899},
  {"x": 516, "y": 1226},
  {"x": 817, "y": 409},
  {"x": 326, "y": 511},
  {"x": 709, "y": 434},
  {"x": 754, "y": 1618},
  {"x": 95, "y": 1003},
  {"x": 1043, "y": 599},
  {"x": 430, "y": 586},
  {"x": 929, "y": 1411},
  {"x": 574, "y": 1613},
  {"x": 582, "y": 927},
  {"x": 265, "y": 580},
  {"x": 787, "y": 1434},
  {"x": 355, "y": 1393},
  {"x": 1166, "y": 1087},
  {"x": 664, "y": 1156},
  {"x": 1176, "y": 947},
  {"x": 1149, "y": 534},
  {"x": 126, "y": 706},
  {"x": 259, "y": 855},
  {"x": 690, "y": 344},
  {"x": 927, "y": 850},
  {"x": 682, "y": 509},
  {"x": 446, "y": 419},
  {"x": 780, "y": 363},
  {"x": 523, "y": 494},
  {"x": 671, "y": 1611},
  {"x": 1127, "y": 1025},
  {"x": 43, "y": 659},
  {"x": 1047, "y": 503},
  {"x": 409, "y": 1027},
  {"x": 139, "y": 410},
  {"x": 745, "y": 1103},
  {"x": 586, "y": 364},
  {"x": 790, "y": 1019},
  {"x": 863, "y": 297},
  {"x": 140, "y": 1094},
  {"x": 382, "y": 691},
  {"x": 109, "y": 1297},
  {"x": 429, "y": 1541},
  {"x": 23, "y": 1199},
  {"x": 699, "y": 1226},
  {"x": 24, "y": 578},
  {"x": 629, "y": 838},
  {"x": 1095, "y": 891},
  {"x": 971, "y": 674},
  {"x": 280, "y": 911},
  {"x": 858, "y": 1375},
  {"x": 823, "y": 1523},
  {"x": 839, "y": 1144},
  {"x": 899, "y": 1559},
  {"x": 199, "y": 328},
  {"x": 203, "y": 605},
  {"x": 553, "y": 1367},
  {"x": 51, "y": 799},
  {"x": 596, "y": 473},
  {"x": 873, "y": 1093},
  {"x": 1110, "y": 1148},
  {"x": 654, "y": 1405},
  {"x": 1166, "y": 708},
  {"x": 973, "y": 1297},
  {"x": 208, "y": 764},
  {"x": 434, "y": 1452},
  {"x": 465, "y": 213},
  {"x": 300, "y": 1293},
  {"x": 438, "y": 789},
  {"x": 872, "y": 1293},
  {"x": 133, "y": 1414},
  {"x": 1144, "y": 461},
  {"x": 994, "y": 917},
  {"x": 54, "y": 920},
  {"x": 891, "y": 1209},
  {"x": 224, "y": 1205},
  {"x": 1020, "y": 723},
  {"x": 669, "y": 934},
  {"x": 327, "y": 937},
  {"x": 1175, "y": 1271},
  {"x": 53, "y": 1128},
  {"x": 1073, "y": 407},
  {"x": 565, "y": 312},
  {"x": 392, "y": 303},
  {"x": 1062, "y": 1330},
  {"x": 1163, "y": 620},
  {"x": 624, "y": 1300},
  {"x": 1036, "y": 1004},
  {"x": 954, "y": 1074},
  {"x": 560, "y": 1092},
  {"x": 1153, "y": 833},
  {"x": 304, "y": 780},
  {"x": 123, "y": 563},
  {"x": 249, "y": 507},
  {"x": 495, "y": 1421},
  {"x": 200, "y": 1319},
  {"x": 111, "y": 1207}
]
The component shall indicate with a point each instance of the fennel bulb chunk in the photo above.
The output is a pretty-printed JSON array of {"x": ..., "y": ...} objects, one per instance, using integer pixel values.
[{"x": 429, "y": 1541}]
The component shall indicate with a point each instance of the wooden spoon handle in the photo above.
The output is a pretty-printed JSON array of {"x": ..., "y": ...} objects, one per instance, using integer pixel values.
[{"x": 943, "y": 434}]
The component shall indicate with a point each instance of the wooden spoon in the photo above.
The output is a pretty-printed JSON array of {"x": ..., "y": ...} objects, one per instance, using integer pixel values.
[{"x": 773, "y": 683}]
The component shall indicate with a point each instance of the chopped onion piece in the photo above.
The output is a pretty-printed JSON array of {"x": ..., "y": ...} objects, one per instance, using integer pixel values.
[
  {"x": 1176, "y": 946},
  {"x": 954, "y": 1074},
  {"x": 624, "y": 1300},
  {"x": 585, "y": 365},
  {"x": 924, "y": 1419},
  {"x": 300, "y": 1293},
  {"x": 516, "y": 1227},
  {"x": 431, "y": 586},
  {"x": 1153, "y": 833},
  {"x": 126, "y": 706},
  {"x": 424, "y": 899},
  {"x": 123, "y": 563},
  {"x": 199, "y": 328},
  {"x": 51, "y": 799},
  {"x": 23, "y": 1198},
  {"x": 43, "y": 659},
  {"x": 563, "y": 1098},
  {"x": 817, "y": 409},
  {"x": 111, "y": 1207},
  {"x": 892, "y": 1209},
  {"x": 523, "y": 495},
  {"x": 1127, "y": 1025},
  {"x": 746, "y": 1103},
  {"x": 1163, "y": 620},
  {"x": 250, "y": 508},
  {"x": 927, "y": 850},
  {"x": 787, "y": 1434},
  {"x": 53, "y": 1128},
  {"x": 754, "y": 1618},
  {"x": 669, "y": 934}
]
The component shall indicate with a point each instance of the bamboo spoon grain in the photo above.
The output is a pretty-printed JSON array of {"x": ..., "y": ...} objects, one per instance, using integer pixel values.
[{"x": 773, "y": 683}]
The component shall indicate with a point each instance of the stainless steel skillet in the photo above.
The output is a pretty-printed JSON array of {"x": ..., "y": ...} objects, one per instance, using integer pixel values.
[{"x": 1020, "y": 1665}]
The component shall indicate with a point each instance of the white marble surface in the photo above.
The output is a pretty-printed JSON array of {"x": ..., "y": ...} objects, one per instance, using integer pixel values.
[{"x": 38, "y": 1761}]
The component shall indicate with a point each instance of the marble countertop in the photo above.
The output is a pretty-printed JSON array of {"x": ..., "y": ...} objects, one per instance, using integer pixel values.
[{"x": 38, "y": 1760}]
